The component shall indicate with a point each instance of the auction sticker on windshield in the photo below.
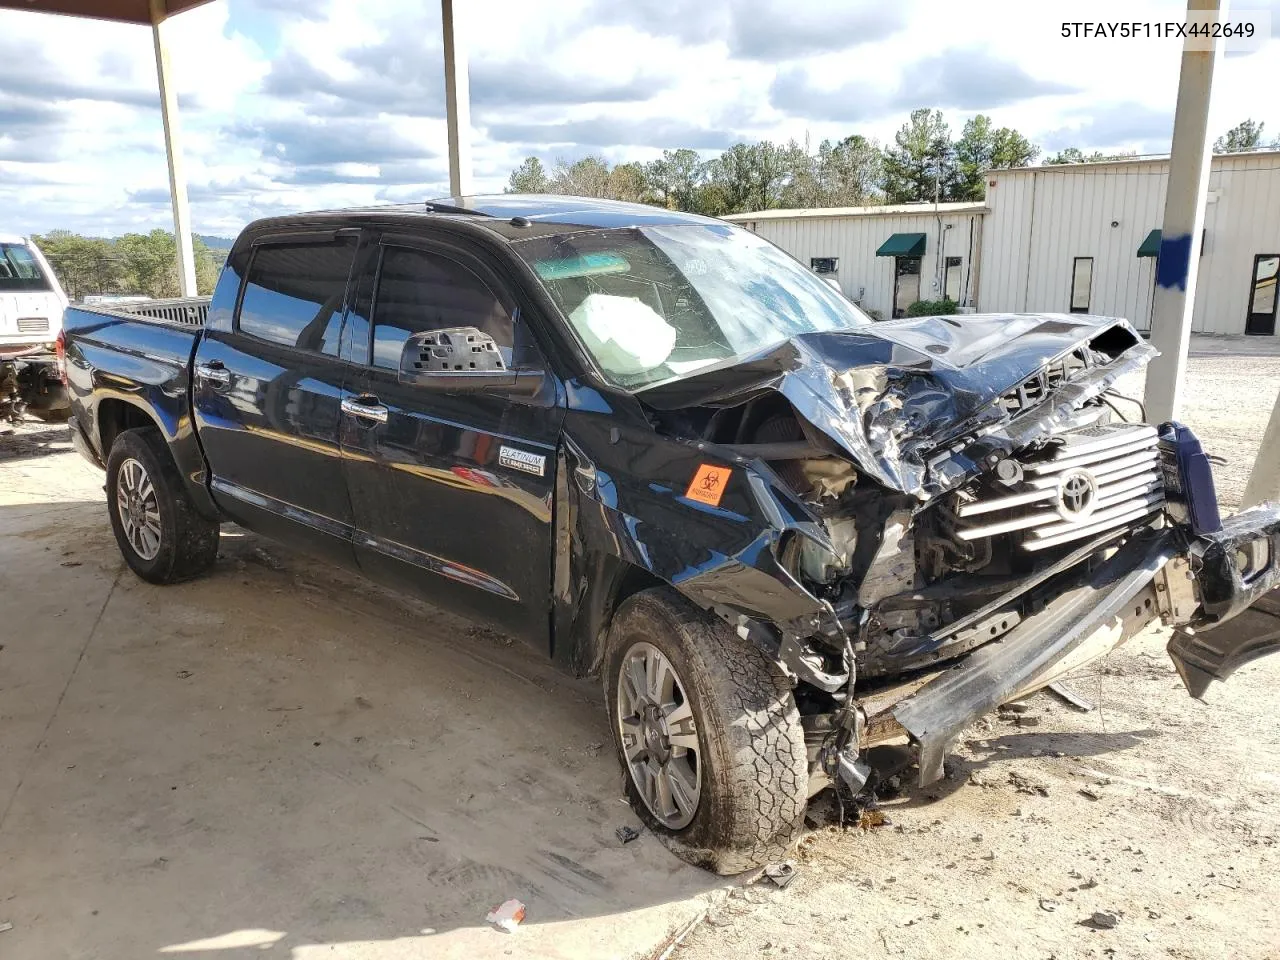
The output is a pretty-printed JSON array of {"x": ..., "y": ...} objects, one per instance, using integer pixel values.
[{"x": 708, "y": 483}]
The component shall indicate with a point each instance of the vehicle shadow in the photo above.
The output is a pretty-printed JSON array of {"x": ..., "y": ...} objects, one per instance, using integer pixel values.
[
  {"x": 28, "y": 440},
  {"x": 963, "y": 769},
  {"x": 279, "y": 756}
]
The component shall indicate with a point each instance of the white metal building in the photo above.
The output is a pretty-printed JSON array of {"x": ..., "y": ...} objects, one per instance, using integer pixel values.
[
  {"x": 883, "y": 255},
  {"x": 1057, "y": 239}
]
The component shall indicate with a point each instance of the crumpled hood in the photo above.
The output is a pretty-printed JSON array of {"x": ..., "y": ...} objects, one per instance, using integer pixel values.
[{"x": 893, "y": 393}]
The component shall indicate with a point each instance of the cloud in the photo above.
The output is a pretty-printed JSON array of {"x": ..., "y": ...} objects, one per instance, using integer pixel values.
[
  {"x": 765, "y": 30},
  {"x": 310, "y": 141},
  {"x": 1131, "y": 126},
  {"x": 32, "y": 74},
  {"x": 614, "y": 131},
  {"x": 964, "y": 79},
  {"x": 775, "y": 30}
]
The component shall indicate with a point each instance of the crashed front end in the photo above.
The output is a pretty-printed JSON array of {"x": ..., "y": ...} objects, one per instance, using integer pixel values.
[{"x": 971, "y": 517}]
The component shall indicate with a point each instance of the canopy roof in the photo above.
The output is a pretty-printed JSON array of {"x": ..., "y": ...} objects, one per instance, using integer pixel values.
[{"x": 124, "y": 11}]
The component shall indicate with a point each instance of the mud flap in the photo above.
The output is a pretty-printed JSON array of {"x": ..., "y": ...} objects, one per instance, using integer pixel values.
[
  {"x": 1203, "y": 656},
  {"x": 1037, "y": 649}
]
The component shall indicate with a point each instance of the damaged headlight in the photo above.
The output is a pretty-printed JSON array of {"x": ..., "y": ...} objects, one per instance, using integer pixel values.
[{"x": 812, "y": 560}]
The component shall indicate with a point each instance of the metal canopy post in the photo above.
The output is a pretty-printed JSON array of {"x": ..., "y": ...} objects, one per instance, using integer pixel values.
[
  {"x": 457, "y": 101},
  {"x": 1182, "y": 231},
  {"x": 173, "y": 153}
]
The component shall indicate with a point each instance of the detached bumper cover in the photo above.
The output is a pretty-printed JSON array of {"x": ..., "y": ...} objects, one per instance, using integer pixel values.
[{"x": 1238, "y": 572}]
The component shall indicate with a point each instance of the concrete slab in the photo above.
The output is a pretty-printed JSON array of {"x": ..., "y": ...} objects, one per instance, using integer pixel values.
[{"x": 283, "y": 760}]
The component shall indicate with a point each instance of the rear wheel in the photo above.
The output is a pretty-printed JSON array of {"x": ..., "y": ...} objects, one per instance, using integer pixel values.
[
  {"x": 160, "y": 534},
  {"x": 707, "y": 733}
]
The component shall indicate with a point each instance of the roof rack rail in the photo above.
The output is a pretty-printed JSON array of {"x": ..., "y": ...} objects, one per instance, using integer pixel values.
[{"x": 434, "y": 206}]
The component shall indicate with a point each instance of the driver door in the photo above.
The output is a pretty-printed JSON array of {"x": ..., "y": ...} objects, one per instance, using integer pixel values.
[{"x": 451, "y": 491}]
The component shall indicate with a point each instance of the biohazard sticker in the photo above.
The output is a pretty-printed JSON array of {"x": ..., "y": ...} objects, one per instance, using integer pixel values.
[{"x": 708, "y": 483}]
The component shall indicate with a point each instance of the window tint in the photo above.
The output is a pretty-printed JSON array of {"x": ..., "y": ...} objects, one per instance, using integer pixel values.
[
  {"x": 295, "y": 292},
  {"x": 419, "y": 291}
]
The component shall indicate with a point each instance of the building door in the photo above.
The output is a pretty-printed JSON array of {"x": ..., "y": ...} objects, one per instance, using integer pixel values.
[
  {"x": 954, "y": 280},
  {"x": 1261, "y": 319},
  {"x": 1081, "y": 284},
  {"x": 906, "y": 284}
]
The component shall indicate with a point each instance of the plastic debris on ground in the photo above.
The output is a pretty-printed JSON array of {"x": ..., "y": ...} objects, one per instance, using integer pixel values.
[
  {"x": 780, "y": 874},
  {"x": 626, "y": 834},
  {"x": 507, "y": 916}
]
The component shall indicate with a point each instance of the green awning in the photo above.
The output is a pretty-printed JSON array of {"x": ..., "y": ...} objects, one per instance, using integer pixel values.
[
  {"x": 902, "y": 245},
  {"x": 1150, "y": 246}
]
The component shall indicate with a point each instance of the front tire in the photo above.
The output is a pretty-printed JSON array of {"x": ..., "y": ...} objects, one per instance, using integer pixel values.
[
  {"x": 160, "y": 534},
  {"x": 707, "y": 733}
]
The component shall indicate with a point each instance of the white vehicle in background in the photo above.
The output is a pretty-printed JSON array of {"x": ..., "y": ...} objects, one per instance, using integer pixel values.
[{"x": 31, "y": 307}]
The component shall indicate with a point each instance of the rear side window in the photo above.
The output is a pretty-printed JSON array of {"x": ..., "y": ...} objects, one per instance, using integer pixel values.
[
  {"x": 294, "y": 293},
  {"x": 419, "y": 291},
  {"x": 19, "y": 269}
]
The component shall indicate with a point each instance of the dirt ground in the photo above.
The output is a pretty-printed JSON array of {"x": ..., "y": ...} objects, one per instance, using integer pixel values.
[{"x": 282, "y": 760}]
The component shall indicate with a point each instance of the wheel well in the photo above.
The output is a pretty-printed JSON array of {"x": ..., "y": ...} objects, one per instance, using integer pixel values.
[
  {"x": 116, "y": 416},
  {"x": 634, "y": 579}
]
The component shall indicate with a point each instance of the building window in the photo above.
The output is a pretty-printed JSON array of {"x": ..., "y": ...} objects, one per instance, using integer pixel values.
[
  {"x": 906, "y": 284},
  {"x": 1081, "y": 284},
  {"x": 954, "y": 279},
  {"x": 822, "y": 265},
  {"x": 1261, "y": 320}
]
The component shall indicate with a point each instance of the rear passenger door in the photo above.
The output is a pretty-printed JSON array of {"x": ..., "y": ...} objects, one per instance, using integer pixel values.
[
  {"x": 451, "y": 491},
  {"x": 268, "y": 394}
]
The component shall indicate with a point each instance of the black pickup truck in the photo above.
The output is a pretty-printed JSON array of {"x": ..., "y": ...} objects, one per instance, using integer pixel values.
[{"x": 660, "y": 450}]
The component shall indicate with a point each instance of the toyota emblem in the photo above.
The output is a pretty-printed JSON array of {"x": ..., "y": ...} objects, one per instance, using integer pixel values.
[{"x": 1077, "y": 494}]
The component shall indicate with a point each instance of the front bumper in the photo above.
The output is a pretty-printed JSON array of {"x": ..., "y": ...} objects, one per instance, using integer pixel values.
[{"x": 1194, "y": 583}]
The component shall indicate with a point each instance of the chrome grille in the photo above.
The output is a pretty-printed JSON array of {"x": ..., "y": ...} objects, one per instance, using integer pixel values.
[
  {"x": 33, "y": 325},
  {"x": 1088, "y": 482}
]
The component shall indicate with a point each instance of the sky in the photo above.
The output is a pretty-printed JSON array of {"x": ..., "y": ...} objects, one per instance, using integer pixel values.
[{"x": 291, "y": 105}]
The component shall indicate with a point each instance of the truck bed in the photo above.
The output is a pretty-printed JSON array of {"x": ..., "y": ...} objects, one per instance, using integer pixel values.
[{"x": 126, "y": 370}]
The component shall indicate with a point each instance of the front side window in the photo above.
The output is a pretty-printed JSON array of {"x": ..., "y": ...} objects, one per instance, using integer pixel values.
[
  {"x": 294, "y": 293},
  {"x": 1081, "y": 284},
  {"x": 657, "y": 303},
  {"x": 19, "y": 269},
  {"x": 418, "y": 292}
]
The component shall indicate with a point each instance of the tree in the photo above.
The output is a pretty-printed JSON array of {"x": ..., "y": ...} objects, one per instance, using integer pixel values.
[
  {"x": 674, "y": 178},
  {"x": 1243, "y": 136},
  {"x": 83, "y": 265},
  {"x": 982, "y": 147},
  {"x": 529, "y": 177},
  {"x": 588, "y": 177},
  {"x": 627, "y": 181},
  {"x": 921, "y": 164},
  {"x": 751, "y": 176},
  {"x": 850, "y": 172},
  {"x": 1076, "y": 155}
]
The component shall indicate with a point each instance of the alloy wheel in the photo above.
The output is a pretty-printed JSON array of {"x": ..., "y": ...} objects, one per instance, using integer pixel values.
[
  {"x": 659, "y": 735},
  {"x": 139, "y": 509}
]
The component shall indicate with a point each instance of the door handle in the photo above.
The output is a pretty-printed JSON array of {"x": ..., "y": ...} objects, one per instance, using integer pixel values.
[
  {"x": 214, "y": 372},
  {"x": 366, "y": 407}
]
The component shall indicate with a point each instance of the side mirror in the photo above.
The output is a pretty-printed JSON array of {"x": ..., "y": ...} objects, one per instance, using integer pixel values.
[{"x": 462, "y": 360}]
